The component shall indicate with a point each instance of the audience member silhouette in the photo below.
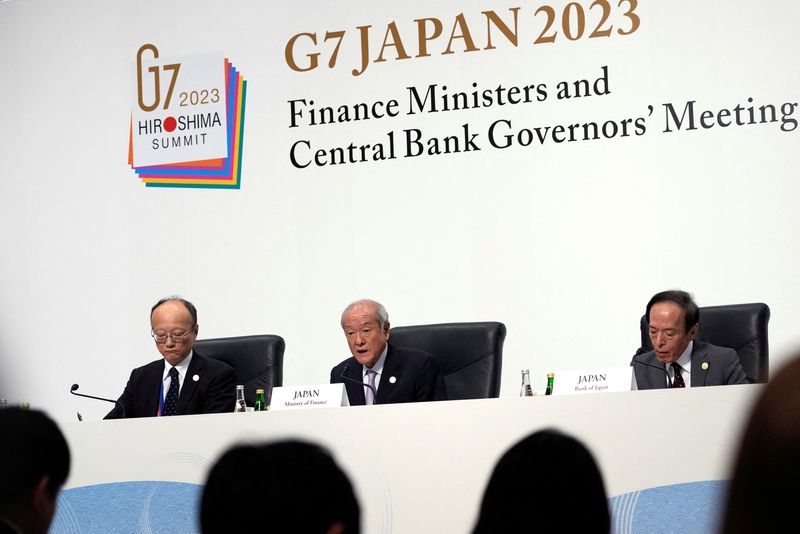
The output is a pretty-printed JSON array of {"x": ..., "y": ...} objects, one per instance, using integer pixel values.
[
  {"x": 547, "y": 482},
  {"x": 286, "y": 486},
  {"x": 760, "y": 496},
  {"x": 34, "y": 464}
]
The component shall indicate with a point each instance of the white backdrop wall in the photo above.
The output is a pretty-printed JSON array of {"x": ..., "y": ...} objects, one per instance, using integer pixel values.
[{"x": 563, "y": 242}]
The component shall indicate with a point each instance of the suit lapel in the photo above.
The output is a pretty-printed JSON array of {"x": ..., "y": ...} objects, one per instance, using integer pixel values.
[
  {"x": 355, "y": 393},
  {"x": 699, "y": 375},
  {"x": 392, "y": 368},
  {"x": 151, "y": 386},
  {"x": 659, "y": 378},
  {"x": 654, "y": 372},
  {"x": 196, "y": 367}
]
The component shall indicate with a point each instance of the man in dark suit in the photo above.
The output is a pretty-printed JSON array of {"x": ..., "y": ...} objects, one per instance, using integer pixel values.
[
  {"x": 183, "y": 382},
  {"x": 673, "y": 319},
  {"x": 390, "y": 374},
  {"x": 34, "y": 464}
]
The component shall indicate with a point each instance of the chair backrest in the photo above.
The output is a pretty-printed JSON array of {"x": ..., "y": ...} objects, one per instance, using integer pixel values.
[
  {"x": 742, "y": 327},
  {"x": 470, "y": 354},
  {"x": 257, "y": 360}
]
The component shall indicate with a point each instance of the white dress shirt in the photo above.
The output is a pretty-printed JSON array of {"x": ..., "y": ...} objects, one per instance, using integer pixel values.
[
  {"x": 182, "y": 368},
  {"x": 378, "y": 368}
]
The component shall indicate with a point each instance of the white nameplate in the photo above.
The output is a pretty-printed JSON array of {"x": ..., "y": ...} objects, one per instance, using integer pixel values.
[
  {"x": 308, "y": 397},
  {"x": 600, "y": 380}
]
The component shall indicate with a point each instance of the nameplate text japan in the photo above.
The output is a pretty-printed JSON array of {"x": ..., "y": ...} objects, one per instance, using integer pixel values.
[
  {"x": 599, "y": 380},
  {"x": 307, "y": 397}
]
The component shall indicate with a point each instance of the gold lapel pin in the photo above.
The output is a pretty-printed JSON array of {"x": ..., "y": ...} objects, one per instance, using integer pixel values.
[
  {"x": 392, "y": 380},
  {"x": 197, "y": 377},
  {"x": 704, "y": 367}
]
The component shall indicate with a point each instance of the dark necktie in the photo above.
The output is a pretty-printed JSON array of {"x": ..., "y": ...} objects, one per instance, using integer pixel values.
[
  {"x": 171, "y": 400},
  {"x": 677, "y": 382}
]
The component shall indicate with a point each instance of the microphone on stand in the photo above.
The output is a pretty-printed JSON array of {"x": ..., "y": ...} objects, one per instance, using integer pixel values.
[
  {"x": 360, "y": 383},
  {"x": 642, "y": 350},
  {"x": 75, "y": 387}
]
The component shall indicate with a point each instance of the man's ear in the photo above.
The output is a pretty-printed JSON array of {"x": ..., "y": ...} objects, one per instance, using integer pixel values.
[
  {"x": 386, "y": 330},
  {"x": 693, "y": 331}
]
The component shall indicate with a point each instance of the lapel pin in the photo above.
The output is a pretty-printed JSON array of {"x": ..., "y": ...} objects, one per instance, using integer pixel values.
[
  {"x": 197, "y": 377},
  {"x": 392, "y": 380},
  {"x": 704, "y": 367}
]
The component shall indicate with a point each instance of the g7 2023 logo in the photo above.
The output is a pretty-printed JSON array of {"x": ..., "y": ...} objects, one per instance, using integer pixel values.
[{"x": 187, "y": 120}]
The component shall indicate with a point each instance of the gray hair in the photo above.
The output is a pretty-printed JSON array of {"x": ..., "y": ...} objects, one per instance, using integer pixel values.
[{"x": 382, "y": 314}]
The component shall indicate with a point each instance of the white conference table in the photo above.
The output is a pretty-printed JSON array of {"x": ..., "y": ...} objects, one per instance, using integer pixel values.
[{"x": 423, "y": 467}]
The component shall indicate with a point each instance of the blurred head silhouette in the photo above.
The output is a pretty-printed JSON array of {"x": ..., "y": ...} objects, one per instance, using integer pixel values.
[
  {"x": 547, "y": 473},
  {"x": 34, "y": 464},
  {"x": 760, "y": 498},
  {"x": 286, "y": 486}
]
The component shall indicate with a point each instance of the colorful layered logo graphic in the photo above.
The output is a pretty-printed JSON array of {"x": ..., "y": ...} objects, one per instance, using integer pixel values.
[{"x": 187, "y": 120}]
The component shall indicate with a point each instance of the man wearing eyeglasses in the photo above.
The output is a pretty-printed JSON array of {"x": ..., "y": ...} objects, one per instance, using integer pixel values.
[{"x": 182, "y": 382}]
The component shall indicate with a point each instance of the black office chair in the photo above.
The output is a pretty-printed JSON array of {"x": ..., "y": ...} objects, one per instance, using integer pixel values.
[
  {"x": 742, "y": 327},
  {"x": 257, "y": 360},
  {"x": 470, "y": 354}
]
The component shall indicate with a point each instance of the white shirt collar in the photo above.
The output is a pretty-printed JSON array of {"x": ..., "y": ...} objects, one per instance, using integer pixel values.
[
  {"x": 378, "y": 367},
  {"x": 182, "y": 368},
  {"x": 685, "y": 361}
]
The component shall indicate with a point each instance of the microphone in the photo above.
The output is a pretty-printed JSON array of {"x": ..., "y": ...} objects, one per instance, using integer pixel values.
[
  {"x": 360, "y": 383},
  {"x": 642, "y": 350},
  {"x": 75, "y": 387}
]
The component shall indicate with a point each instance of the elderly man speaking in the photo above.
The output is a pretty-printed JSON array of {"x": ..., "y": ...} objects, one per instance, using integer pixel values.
[{"x": 388, "y": 374}]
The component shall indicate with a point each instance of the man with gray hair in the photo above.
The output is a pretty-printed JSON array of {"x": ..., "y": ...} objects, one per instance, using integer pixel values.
[
  {"x": 378, "y": 372},
  {"x": 182, "y": 382}
]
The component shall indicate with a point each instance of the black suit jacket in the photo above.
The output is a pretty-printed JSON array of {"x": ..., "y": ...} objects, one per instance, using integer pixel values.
[
  {"x": 722, "y": 367},
  {"x": 213, "y": 392},
  {"x": 417, "y": 374}
]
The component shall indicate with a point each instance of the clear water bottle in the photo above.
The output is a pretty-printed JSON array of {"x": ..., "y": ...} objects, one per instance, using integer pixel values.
[
  {"x": 526, "y": 390},
  {"x": 241, "y": 405}
]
